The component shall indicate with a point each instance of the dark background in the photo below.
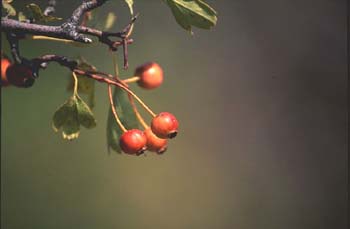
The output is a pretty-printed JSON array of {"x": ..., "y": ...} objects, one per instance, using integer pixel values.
[{"x": 262, "y": 102}]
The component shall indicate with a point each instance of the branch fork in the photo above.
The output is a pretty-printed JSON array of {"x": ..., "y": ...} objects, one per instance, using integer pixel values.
[{"x": 69, "y": 30}]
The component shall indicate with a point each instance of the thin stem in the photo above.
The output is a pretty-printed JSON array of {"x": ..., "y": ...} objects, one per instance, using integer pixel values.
[
  {"x": 111, "y": 97},
  {"x": 125, "y": 54},
  {"x": 137, "y": 113},
  {"x": 115, "y": 65},
  {"x": 116, "y": 73},
  {"x": 117, "y": 83},
  {"x": 114, "y": 110},
  {"x": 131, "y": 79},
  {"x": 137, "y": 98},
  {"x": 75, "y": 83},
  {"x": 37, "y": 37}
]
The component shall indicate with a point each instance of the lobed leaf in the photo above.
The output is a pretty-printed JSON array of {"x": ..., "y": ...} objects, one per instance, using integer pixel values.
[
  {"x": 126, "y": 115},
  {"x": 73, "y": 113},
  {"x": 190, "y": 13}
]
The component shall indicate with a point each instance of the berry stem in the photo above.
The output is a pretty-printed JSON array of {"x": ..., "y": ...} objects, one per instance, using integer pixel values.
[
  {"x": 137, "y": 113},
  {"x": 137, "y": 98},
  {"x": 114, "y": 110},
  {"x": 125, "y": 87},
  {"x": 115, "y": 65},
  {"x": 75, "y": 83},
  {"x": 115, "y": 82},
  {"x": 131, "y": 79}
]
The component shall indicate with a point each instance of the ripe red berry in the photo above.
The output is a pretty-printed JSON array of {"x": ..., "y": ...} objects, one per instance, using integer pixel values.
[
  {"x": 20, "y": 75},
  {"x": 133, "y": 142},
  {"x": 165, "y": 125},
  {"x": 5, "y": 63},
  {"x": 151, "y": 75},
  {"x": 154, "y": 143}
]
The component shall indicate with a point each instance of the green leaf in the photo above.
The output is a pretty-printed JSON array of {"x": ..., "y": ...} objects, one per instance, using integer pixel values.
[
  {"x": 73, "y": 113},
  {"x": 126, "y": 115},
  {"x": 111, "y": 18},
  {"x": 85, "y": 115},
  {"x": 10, "y": 11},
  {"x": 130, "y": 5},
  {"x": 190, "y": 13},
  {"x": 39, "y": 16},
  {"x": 85, "y": 85}
]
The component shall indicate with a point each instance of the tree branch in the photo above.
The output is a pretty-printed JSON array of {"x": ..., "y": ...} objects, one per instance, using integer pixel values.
[
  {"x": 72, "y": 65},
  {"x": 68, "y": 30},
  {"x": 41, "y": 62},
  {"x": 84, "y": 7}
]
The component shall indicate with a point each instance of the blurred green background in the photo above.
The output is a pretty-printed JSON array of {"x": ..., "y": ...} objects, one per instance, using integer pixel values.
[{"x": 262, "y": 104}]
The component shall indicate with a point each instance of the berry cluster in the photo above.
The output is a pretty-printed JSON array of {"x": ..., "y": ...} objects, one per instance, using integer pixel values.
[
  {"x": 163, "y": 126},
  {"x": 19, "y": 75},
  {"x": 134, "y": 141}
]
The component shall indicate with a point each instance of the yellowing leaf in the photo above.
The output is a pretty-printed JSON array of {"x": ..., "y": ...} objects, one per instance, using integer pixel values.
[
  {"x": 73, "y": 113},
  {"x": 39, "y": 16},
  {"x": 21, "y": 17},
  {"x": 190, "y": 13},
  {"x": 130, "y": 5},
  {"x": 10, "y": 11},
  {"x": 111, "y": 18}
]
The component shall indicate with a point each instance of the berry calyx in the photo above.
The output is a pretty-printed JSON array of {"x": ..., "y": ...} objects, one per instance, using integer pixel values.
[
  {"x": 5, "y": 63},
  {"x": 133, "y": 142},
  {"x": 155, "y": 144},
  {"x": 165, "y": 125},
  {"x": 150, "y": 75},
  {"x": 20, "y": 75}
]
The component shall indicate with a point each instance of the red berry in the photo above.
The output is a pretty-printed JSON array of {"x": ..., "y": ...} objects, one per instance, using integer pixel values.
[
  {"x": 133, "y": 142},
  {"x": 151, "y": 75},
  {"x": 165, "y": 125},
  {"x": 20, "y": 75},
  {"x": 154, "y": 143},
  {"x": 5, "y": 63}
]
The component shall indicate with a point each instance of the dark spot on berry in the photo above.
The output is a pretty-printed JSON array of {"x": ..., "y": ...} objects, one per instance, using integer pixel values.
[{"x": 172, "y": 134}]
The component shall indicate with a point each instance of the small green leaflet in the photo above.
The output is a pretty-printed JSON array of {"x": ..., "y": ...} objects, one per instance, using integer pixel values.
[
  {"x": 21, "y": 17},
  {"x": 130, "y": 5},
  {"x": 10, "y": 11},
  {"x": 85, "y": 85},
  {"x": 190, "y": 13},
  {"x": 126, "y": 115},
  {"x": 39, "y": 16},
  {"x": 73, "y": 113}
]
